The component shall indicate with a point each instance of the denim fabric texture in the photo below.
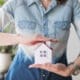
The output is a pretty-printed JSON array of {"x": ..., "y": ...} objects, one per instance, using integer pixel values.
[
  {"x": 31, "y": 18},
  {"x": 19, "y": 69}
]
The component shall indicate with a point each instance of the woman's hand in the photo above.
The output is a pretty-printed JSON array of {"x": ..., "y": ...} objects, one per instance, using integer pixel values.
[
  {"x": 13, "y": 39},
  {"x": 37, "y": 39},
  {"x": 58, "y": 68},
  {"x": 77, "y": 61}
]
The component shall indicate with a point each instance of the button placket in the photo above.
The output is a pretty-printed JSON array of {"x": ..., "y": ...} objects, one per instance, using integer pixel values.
[
  {"x": 45, "y": 25},
  {"x": 44, "y": 75}
]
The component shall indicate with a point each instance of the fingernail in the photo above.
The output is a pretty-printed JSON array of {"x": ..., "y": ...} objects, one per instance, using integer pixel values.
[{"x": 30, "y": 66}]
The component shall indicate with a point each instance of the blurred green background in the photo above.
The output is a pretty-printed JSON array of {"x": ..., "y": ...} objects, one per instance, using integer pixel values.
[{"x": 2, "y": 2}]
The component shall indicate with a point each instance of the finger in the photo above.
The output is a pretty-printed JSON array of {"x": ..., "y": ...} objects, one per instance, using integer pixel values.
[
  {"x": 42, "y": 41},
  {"x": 36, "y": 66},
  {"x": 36, "y": 42},
  {"x": 54, "y": 40},
  {"x": 61, "y": 66},
  {"x": 42, "y": 38},
  {"x": 47, "y": 66}
]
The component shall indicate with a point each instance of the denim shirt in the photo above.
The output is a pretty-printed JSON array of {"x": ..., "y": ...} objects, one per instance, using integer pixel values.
[{"x": 31, "y": 18}]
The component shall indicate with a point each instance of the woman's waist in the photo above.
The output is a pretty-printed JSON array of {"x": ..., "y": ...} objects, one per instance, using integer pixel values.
[
  {"x": 29, "y": 49},
  {"x": 57, "y": 50}
]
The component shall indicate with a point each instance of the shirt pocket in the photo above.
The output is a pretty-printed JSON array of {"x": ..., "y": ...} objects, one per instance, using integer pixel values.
[
  {"x": 27, "y": 25},
  {"x": 62, "y": 25},
  {"x": 62, "y": 29}
]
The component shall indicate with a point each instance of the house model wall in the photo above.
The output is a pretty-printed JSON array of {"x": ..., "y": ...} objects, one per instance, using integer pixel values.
[{"x": 43, "y": 54}]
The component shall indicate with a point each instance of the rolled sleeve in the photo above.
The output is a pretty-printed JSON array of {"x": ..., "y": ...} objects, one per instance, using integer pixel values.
[
  {"x": 76, "y": 16},
  {"x": 9, "y": 7},
  {"x": 7, "y": 14},
  {"x": 5, "y": 20}
]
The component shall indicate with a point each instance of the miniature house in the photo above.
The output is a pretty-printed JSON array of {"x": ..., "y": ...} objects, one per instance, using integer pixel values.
[{"x": 43, "y": 54}]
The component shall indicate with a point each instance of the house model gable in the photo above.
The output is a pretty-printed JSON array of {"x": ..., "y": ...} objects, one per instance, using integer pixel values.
[{"x": 43, "y": 54}]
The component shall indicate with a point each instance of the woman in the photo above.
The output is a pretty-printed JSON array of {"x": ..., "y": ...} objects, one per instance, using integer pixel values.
[{"x": 45, "y": 19}]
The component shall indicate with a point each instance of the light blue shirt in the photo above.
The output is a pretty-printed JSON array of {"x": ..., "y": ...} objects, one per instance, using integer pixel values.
[
  {"x": 54, "y": 22},
  {"x": 32, "y": 19}
]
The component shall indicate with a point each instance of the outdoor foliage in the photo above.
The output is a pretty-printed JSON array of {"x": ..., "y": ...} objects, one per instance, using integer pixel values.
[{"x": 1, "y": 2}]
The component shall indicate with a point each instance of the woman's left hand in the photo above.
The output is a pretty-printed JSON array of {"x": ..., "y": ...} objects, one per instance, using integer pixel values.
[
  {"x": 58, "y": 68},
  {"x": 35, "y": 40}
]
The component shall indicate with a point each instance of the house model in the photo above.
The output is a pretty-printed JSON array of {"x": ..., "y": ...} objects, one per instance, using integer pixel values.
[{"x": 43, "y": 54}]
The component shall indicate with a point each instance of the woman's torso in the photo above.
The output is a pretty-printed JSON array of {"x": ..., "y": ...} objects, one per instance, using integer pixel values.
[{"x": 32, "y": 19}]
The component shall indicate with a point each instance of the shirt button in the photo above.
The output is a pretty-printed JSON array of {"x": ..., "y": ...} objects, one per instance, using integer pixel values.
[{"x": 43, "y": 75}]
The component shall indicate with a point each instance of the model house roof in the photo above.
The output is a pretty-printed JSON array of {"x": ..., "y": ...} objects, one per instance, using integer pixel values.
[{"x": 43, "y": 45}]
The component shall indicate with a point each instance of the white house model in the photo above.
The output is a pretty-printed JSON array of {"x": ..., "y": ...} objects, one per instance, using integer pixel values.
[{"x": 43, "y": 54}]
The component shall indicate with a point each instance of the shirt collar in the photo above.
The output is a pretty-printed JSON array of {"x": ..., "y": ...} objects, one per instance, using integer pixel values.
[{"x": 30, "y": 2}]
